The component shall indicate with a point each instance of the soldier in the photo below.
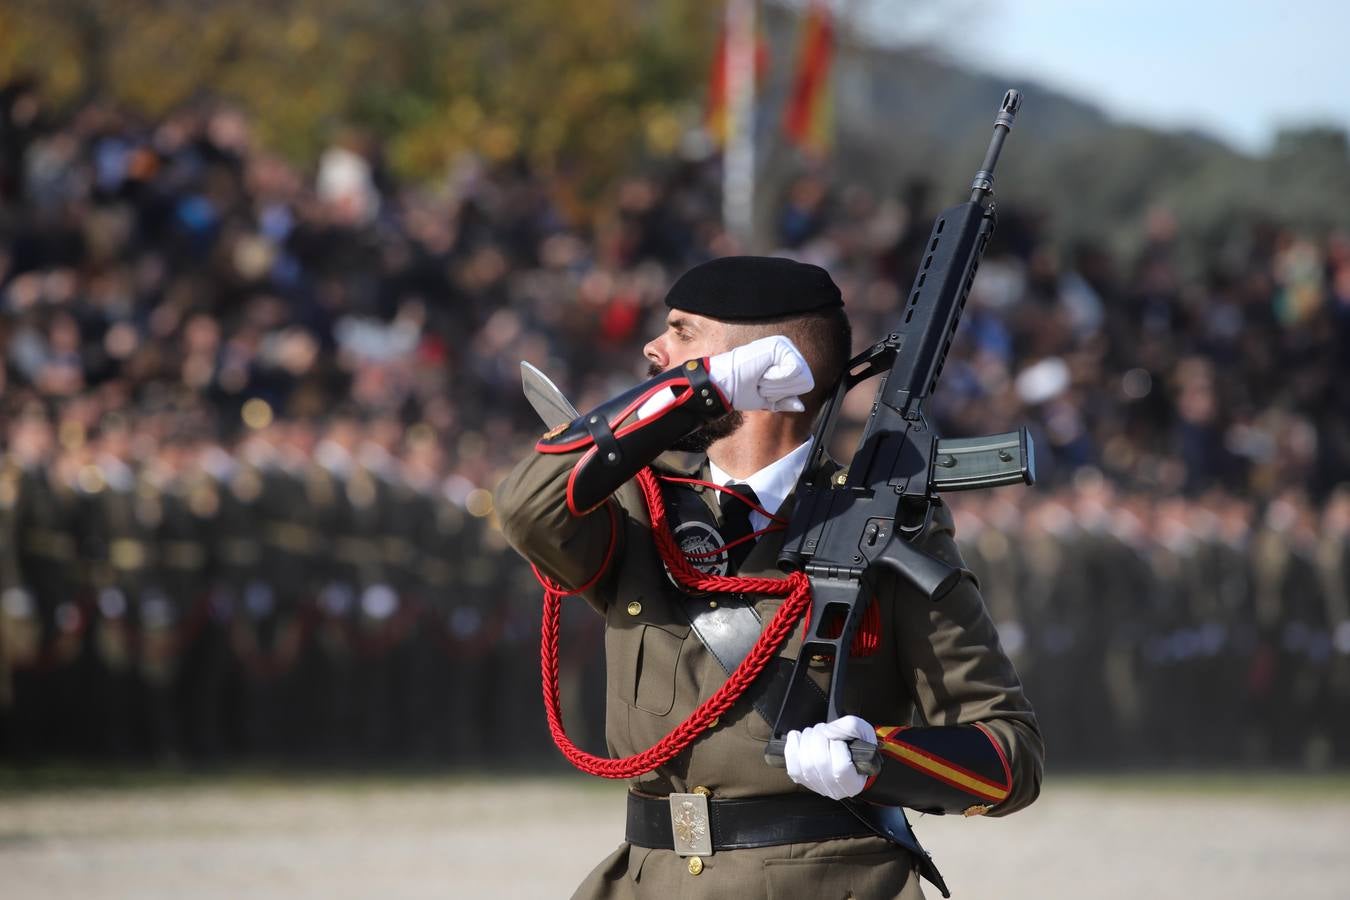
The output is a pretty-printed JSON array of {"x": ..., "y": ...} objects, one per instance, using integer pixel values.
[
  {"x": 438, "y": 553},
  {"x": 427, "y": 567},
  {"x": 1115, "y": 580},
  {"x": 46, "y": 522},
  {"x": 240, "y": 590},
  {"x": 1131, "y": 584},
  {"x": 994, "y": 556},
  {"x": 1058, "y": 599},
  {"x": 1306, "y": 641},
  {"x": 1236, "y": 592},
  {"x": 272, "y": 637},
  {"x": 177, "y": 636},
  {"x": 376, "y": 496},
  {"x": 341, "y": 495},
  {"x": 123, "y": 548},
  {"x": 742, "y": 400},
  {"x": 203, "y": 691},
  {"x": 1171, "y": 651},
  {"x": 1333, "y": 564},
  {"x": 1220, "y": 602},
  {"x": 461, "y": 587},
  {"x": 407, "y": 655},
  {"x": 513, "y": 628},
  {"x": 1291, "y": 620},
  {"x": 16, "y": 620}
]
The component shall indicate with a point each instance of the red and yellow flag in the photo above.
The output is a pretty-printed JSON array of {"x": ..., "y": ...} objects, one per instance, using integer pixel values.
[
  {"x": 717, "y": 120},
  {"x": 809, "y": 120}
]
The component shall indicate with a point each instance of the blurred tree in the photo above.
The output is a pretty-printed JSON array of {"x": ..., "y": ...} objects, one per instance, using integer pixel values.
[
  {"x": 585, "y": 89},
  {"x": 582, "y": 86},
  {"x": 1308, "y": 175}
]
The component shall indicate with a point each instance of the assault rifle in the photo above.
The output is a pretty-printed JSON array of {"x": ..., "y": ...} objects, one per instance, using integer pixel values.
[{"x": 862, "y": 520}]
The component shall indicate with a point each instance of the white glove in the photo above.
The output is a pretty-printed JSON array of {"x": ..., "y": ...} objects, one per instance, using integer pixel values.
[
  {"x": 768, "y": 373},
  {"x": 817, "y": 757}
]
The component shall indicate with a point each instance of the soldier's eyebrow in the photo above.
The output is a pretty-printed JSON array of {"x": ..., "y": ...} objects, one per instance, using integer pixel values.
[{"x": 680, "y": 323}]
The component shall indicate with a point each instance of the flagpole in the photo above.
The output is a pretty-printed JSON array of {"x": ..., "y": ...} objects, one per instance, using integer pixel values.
[{"x": 738, "y": 162}]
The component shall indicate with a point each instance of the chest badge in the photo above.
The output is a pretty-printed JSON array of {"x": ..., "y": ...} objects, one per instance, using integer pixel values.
[{"x": 702, "y": 546}]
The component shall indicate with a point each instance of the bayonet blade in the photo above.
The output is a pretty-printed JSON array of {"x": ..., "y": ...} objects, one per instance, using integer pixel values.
[{"x": 549, "y": 402}]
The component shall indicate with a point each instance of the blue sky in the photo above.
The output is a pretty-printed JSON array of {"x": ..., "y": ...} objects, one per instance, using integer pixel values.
[{"x": 1237, "y": 69}]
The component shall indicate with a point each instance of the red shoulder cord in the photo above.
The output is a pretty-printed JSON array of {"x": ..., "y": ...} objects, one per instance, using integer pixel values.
[{"x": 796, "y": 587}]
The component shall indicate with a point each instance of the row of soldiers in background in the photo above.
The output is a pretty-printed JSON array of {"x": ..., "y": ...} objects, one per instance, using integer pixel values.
[
  {"x": 1173, "y": 631},
  {"x": 334, "y": 595},
  {"x": 320, "y": 594}
]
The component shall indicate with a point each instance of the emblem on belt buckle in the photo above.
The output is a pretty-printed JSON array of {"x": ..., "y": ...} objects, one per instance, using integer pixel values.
[{"x": 689, "y": 824}]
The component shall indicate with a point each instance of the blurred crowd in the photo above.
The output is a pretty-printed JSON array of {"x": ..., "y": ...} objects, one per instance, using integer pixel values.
[{"x": 251, "y": 414}]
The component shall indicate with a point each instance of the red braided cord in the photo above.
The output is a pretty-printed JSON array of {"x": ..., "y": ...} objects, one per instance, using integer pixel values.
[{"x": 796, "y": 587}]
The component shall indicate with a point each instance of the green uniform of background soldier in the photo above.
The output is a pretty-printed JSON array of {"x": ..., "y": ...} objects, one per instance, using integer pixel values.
[{"x": 737, "y": 323}]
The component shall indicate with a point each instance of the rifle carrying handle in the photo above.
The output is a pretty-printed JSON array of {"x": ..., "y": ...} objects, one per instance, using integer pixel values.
[{"x": 866, "y": 757}]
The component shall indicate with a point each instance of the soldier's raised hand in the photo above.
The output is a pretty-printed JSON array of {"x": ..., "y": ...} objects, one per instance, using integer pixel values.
[{"x": 769, "y": 373}]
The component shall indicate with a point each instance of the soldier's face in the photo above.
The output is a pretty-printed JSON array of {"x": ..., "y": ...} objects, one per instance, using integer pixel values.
[
  {"x": 691, "y": 336},
  {"x": 687, "y": 336}
]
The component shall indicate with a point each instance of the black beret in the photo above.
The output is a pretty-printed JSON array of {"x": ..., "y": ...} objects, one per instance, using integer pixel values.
[{"x": 753, "y": 287}]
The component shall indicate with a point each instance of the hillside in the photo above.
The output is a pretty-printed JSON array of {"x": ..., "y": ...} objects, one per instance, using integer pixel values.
[{"x": 907, "y": 113}]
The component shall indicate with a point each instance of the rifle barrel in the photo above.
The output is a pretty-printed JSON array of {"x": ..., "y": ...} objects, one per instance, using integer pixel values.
[{"x": 983, "y": 185}]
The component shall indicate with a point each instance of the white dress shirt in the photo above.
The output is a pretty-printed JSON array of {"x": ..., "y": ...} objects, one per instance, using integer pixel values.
[{"x": 771, "y": 484}]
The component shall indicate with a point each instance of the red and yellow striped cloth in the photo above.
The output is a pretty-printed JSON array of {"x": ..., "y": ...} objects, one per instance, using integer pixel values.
[{"x": 889, "y": 740}]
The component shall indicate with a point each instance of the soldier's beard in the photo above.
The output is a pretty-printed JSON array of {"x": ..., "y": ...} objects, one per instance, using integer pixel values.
[{"x": 699, "y": 440}]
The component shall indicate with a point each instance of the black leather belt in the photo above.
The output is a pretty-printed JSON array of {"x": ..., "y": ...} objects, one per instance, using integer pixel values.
[{"x": 747, "y": 822}]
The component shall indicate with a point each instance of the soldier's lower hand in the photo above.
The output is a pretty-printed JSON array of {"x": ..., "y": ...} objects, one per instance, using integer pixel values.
[
  {"x": 818, "y": 757},
  {"x": 768, "y": 373}
]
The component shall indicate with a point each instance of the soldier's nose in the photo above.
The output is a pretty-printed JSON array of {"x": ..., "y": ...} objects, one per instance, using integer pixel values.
[{"x": 654, "y": 353}]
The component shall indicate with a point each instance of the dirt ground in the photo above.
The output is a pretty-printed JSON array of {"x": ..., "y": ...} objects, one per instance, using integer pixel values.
[{"x": 1192, "y": 837}]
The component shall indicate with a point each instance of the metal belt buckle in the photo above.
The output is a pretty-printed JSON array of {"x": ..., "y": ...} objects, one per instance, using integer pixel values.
[{"x": 690, "y": 825}]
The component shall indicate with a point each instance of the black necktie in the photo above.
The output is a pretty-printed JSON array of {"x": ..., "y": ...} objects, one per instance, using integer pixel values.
[{"x": 736, "y": 503}]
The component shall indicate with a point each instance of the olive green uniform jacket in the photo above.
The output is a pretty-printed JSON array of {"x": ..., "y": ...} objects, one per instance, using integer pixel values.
[{"x": 938, "y": 663}]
